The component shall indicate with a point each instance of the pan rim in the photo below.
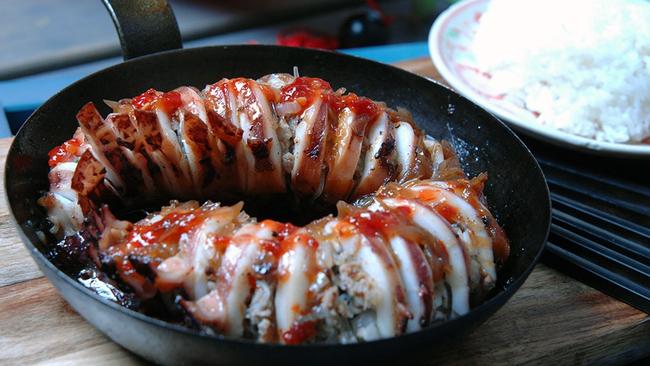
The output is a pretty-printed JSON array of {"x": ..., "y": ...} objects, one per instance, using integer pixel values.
[{"x": 494, "y": 302}]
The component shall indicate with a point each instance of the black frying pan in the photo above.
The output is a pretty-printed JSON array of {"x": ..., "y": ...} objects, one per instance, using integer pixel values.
[{"x": 516, "y": 189}]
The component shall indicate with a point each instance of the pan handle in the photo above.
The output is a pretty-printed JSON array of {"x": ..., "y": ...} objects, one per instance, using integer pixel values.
[{"x": 144, "y": 26}]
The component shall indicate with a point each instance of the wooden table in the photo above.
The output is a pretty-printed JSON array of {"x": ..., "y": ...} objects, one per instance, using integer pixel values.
[{"x": 552, "y": 319}]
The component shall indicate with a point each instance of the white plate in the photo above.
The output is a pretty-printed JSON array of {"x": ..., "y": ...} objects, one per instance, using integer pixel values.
[{"x": 449, "y": 40}]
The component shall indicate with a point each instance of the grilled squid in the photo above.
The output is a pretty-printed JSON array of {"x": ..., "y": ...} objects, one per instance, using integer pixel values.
[
  {"x": 237, "y": 138},
  {"x": 416, "y": 246},
  {"x": 386, "y": 265}
]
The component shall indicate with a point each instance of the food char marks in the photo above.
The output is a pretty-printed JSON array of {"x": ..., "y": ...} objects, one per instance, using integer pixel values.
[
  {"x": 398, "y": 259},
  {"x": 315, "y": 124}
]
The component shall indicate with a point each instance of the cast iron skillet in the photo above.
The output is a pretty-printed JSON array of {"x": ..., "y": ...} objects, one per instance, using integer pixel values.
[{"x": 516, "y": 188}]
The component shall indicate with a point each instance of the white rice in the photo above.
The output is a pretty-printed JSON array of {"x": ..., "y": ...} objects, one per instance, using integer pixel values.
[{"x": 583, "y": 65}]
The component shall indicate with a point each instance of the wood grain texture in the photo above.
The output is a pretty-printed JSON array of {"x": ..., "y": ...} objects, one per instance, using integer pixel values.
[
  {"x": 552, "y": 319},
  {"x": 15, "y": 263},
  {"x": 39, "y": 326}
]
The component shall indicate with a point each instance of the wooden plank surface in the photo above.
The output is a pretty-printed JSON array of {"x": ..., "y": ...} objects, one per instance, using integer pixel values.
[
  {"x": 15, "y": 263},
  {"x": 552, "y": 319}
]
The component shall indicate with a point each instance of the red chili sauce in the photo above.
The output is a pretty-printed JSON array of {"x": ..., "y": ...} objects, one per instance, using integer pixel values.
[
  {"x": 300, "y": 332},
  {"x": 305, "y": 91},
  {"x": 151, "y": 99},
  {"x": 64, "y": 152},
  {"x": 360, "y": 106}
]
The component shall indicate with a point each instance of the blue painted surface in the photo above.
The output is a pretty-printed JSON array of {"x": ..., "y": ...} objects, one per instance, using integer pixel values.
[
  {"x": 4, "y": 124},
  {"x": 27, "y": 93},
  {"x": 21, "y": 96},
  {"x": 391, "y": 53}
]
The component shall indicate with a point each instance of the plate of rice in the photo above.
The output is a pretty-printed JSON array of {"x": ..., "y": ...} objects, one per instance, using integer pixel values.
[{"x": 573, "y": 73}]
